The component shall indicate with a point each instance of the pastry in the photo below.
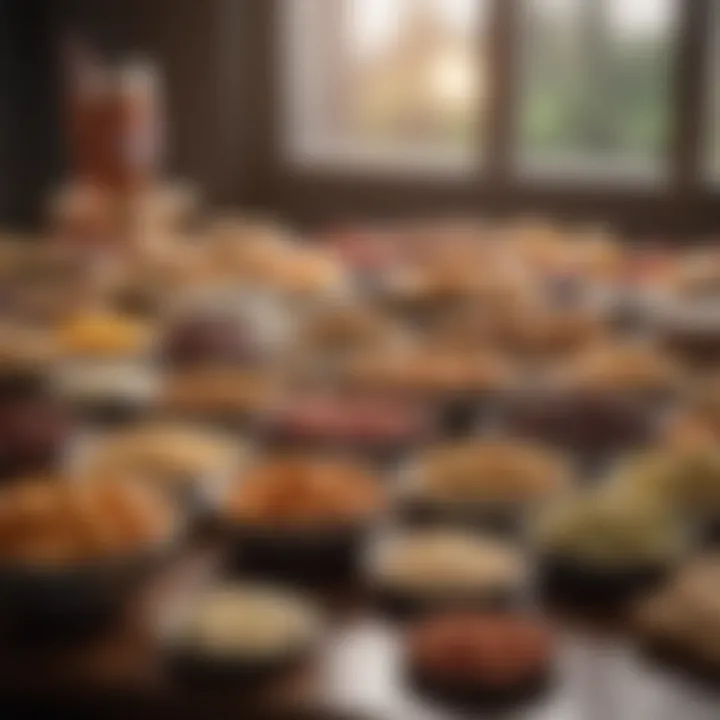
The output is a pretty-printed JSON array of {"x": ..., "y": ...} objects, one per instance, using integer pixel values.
[
  {"x": 192, "y": 463},
  {"x": 490, "y": 471},
  {"x": 533, "y": 329},
  {"x": 490, "y": 482},
  {"x": 431, "y": 372},
  {"x": 218, "y": 393},
  {"x": 622, "y": 369},
  {"x": 103, "y": 335},
  {"x": 298, "y": 492},
  {"x": 60, "y": 524},
  {"x": 347, "y": 329}
]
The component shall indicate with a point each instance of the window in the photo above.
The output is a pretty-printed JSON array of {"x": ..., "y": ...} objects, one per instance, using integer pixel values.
[
  {"x": 510, "y": 93},
  {"x": 596, "y": 81},
  {"x": 385, "y": 82}
]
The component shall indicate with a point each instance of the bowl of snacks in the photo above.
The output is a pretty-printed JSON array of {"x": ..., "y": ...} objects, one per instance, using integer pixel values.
[
  {"x": 303, "y": 518},
  {"x": 72, "y": 553}
]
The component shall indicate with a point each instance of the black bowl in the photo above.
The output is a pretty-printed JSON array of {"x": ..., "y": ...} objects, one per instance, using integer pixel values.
[
  {"x": 476, "y": 696},
  {"x": 699, "y": 347},
  {"x": 50, "y": 605},
  {"x": 576, "y": 584},
  {"x": 502, "y": 519},
  {"x": 249, "y": 423},
  {"x": 14, "y": 467},
  {"x": 111, "y": 413},
  {"x": 708, "y": 531},
  {"x": 407, "y": 606},
  {"x": 462, "y": 412},
  {"x": 667, "y": 655},
  {"x": 21, "y": 383},
  {"x": 306, "y": 556},
  {"x": 191, "y": 669},
  {"x": 33, "y": 435},
  {"x": 381, "y": 454},
  {"x": 594, "y": 426}
]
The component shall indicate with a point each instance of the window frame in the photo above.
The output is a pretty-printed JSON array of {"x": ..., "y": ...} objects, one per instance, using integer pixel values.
[
  {"x": 578, "y": 167},
  {"x": 686, "y": 201}
]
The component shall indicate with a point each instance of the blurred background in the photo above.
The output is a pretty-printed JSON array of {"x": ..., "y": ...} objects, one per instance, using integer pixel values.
[
  {"x": 269, "y": 315},
  {"x": 347, "y": 109}
]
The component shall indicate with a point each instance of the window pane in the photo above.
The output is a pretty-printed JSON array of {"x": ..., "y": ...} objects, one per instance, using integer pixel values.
[
  {"x": 384, "y": 81},
  {"x": 596, "y": 82}
]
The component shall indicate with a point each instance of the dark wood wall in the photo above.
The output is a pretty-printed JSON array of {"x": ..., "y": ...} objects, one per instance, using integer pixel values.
[{"x": 29, "y": 140}]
